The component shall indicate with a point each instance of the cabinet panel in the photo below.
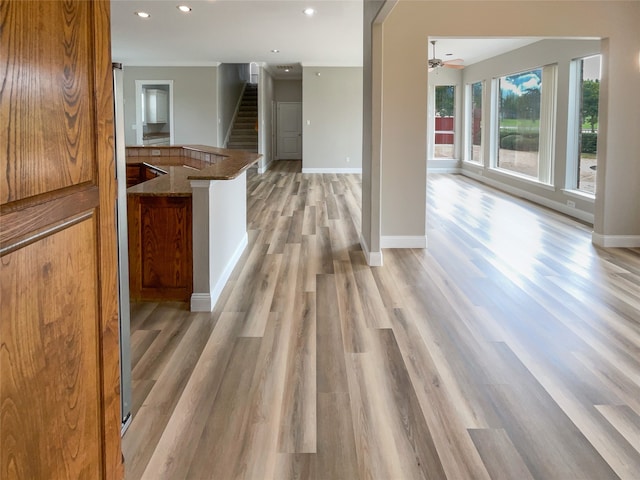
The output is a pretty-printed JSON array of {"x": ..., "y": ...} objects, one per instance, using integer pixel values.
[
  {"x": 160, "y": 248},
  {"x": 49, "y": 389},
  {"x": 133, "y": 175},
  {"x": 48, "y": 133}
]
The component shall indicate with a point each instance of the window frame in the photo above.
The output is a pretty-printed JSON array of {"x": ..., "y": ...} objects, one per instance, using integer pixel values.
[
  {"x": 574, "y": 129},
  {"x": 547, "y": 125},
  {"x": 468, "y": 123}
]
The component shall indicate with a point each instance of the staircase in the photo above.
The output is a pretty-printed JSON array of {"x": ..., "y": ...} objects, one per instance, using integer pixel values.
[{"x": 244, "y": 134}]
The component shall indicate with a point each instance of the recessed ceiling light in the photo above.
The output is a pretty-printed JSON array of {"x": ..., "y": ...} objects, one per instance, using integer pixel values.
[
  {"x": 142, "y": 14},
  {"x": 286, "y": 70},
  {"x": 275, "y": 50},
  {"x": 309, "y": 12},
  {"x": 184, "y": 8}
]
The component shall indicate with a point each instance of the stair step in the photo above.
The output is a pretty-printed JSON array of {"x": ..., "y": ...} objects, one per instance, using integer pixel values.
[
  {"x": 243, "y": 138},
  {"x": 244, "y": 132}
]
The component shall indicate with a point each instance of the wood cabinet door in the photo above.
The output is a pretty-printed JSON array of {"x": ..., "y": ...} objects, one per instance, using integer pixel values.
[{"x": 59, "y": 358}]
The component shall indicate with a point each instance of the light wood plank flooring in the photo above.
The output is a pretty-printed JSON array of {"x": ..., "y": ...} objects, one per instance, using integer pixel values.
[{"x": 509, "y": 349}]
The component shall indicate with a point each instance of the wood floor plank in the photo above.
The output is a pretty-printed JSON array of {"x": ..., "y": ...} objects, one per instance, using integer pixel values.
[
  {"x": 457, "y": 453},
  {"x": 499, "y": 455},
  {"x": 331, "y": 370},
  {"x": 298, "y": 418},
  {"x": 355, "y": 333},
  {"x": 216, "y": 453},
  {"x": 508, "y": 349},
  {"x": 336, "y": 456},
  {"x": 158, "y": 407},
  {"x": 295, "y": 466},
  {"x": 175, "y": 449},
  {"x": 259, "y": 300},
  {"x": 254, "y": 462},
  {"x": 625, "y": 420}
]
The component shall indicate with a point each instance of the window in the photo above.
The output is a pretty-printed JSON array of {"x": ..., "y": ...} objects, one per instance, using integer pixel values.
[
  {"x": 474, "y": 123},
  {"x": 444, "y": 122},
  {"x": 519, "y": 127},
  {"x": 525, "y": 123},
  {"x": 582, "y": 160}
]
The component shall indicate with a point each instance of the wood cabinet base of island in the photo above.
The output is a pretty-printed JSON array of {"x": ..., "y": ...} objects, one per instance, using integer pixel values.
[{"x": 160, "y": 248}]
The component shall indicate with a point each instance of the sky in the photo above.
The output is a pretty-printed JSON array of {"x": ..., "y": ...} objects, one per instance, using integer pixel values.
[{"x": 519, "y": 84}]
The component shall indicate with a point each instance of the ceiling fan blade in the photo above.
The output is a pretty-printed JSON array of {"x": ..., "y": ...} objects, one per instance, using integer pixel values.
[
  {"x": 457, "y": 67},
  {"x": 455, "y": 60}
]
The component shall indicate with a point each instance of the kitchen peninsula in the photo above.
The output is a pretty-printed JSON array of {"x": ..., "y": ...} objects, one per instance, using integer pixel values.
[{"x": 186, "y": 220}]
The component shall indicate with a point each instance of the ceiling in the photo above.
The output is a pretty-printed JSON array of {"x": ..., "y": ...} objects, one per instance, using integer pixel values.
[
  {"x": 237, "y": 31},
  {"x": 243, "y": 31}
]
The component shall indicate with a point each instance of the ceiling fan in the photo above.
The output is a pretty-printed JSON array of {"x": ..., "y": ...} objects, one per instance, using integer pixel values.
[{"x": 437, "y": 63}]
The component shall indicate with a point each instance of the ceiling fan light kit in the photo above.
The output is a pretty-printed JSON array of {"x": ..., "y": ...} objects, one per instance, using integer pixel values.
[{"x": 435, "y": 62}]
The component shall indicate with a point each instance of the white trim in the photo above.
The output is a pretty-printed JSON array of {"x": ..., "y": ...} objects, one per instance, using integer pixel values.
[
  {"x": 547, "y": 128},
  {"x": 262, "y": 168},
  {"x": 235, "y": 115},
  {"x": 444, "y": 170},
  {"x": 587, "y": 197},
  {"x": 539, "y": 199},
  {"x": 522, "y": 178},
  {"x": 403, "y": 241},
  {"x": 615, "y": 241},
  {"x": 332, "y": 170},
  {"x": 178, "y": 63},
  {"x": 201, "y": 302},
  {"x": 374, "y": 259}
]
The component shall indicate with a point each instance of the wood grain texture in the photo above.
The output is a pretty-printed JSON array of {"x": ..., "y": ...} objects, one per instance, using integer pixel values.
[
  {"x": 57, "y": 196},
  {"x": 58, "y": 419},
  {"x": 47, "y": 98},
  {"x": 160, "y": 247},
  {"x": 496, "y": 353}
]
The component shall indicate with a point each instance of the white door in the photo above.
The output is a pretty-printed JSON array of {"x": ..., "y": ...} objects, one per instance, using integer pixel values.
[{"x": 289, "y": 130}]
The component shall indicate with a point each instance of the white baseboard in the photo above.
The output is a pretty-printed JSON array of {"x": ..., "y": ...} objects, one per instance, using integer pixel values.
[
  {"x": 205, "y": 302},
  {"x": 374, "y": 259},
  {"x": 403, "y": 241},
  {"x": 539, "y": 199},
  {"x": 332, "y": 170},
  {"x": 263, "y": 168},
  {"x": 201, "y": 302},
  {"x": 615, "y": 241}
]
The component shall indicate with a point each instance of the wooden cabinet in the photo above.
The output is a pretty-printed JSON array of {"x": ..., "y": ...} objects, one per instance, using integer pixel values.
[
  {"x": 151, "y": 172},
  {"x": 160, "y": 247},
  {"x": 59, "y": 360},
  {"x": 133, "y": 175},
  {"x": 141, "y": 173}
]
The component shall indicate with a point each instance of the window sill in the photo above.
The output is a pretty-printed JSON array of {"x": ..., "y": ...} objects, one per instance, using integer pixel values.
[
  {"x": 587, "y": 197},
  {"x": 522, "y": 178}
]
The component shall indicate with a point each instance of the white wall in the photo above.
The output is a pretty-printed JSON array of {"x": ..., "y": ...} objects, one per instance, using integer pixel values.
[
  {"x": 332, "y": 118},
  {"x": 231, "y": 80},
  {"x": 402, "y": 169},
  {"x": 195, "y": 107}
]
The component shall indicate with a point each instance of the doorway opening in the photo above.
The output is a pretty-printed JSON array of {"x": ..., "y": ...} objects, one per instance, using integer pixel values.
[{"x": 154, "y": 112}]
